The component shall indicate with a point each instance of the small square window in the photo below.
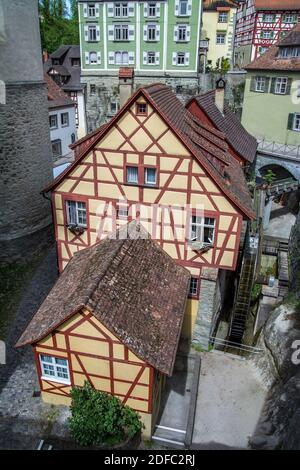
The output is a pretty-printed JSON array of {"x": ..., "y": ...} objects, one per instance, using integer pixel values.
[
  {"x": 76, "y": 213},
  {"x": 194, "y": 287},
  {"x": 150, "y": 176},
  {"x": 64, "y": 117},
  {"x": 53, "y": 121},
  {"x": 141, "y": 109},
  {"x": 132, "y": 175},
  {"x": 122, "y": 212}
]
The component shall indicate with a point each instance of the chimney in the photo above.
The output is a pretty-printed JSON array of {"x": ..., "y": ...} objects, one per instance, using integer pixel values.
[
  {"x": 125, "y": 84},
  {"x": 220, "y": 94}
]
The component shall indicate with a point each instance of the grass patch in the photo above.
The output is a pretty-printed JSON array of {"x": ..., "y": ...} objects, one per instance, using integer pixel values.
[
  {"x": 14, "y": 276},
  {"x": 199, "y": 348}
]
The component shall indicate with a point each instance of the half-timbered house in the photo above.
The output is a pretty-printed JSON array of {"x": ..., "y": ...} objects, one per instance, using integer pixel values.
[
  {"x": 157, "y": 162},
  {"x": 108, "y": 320}
]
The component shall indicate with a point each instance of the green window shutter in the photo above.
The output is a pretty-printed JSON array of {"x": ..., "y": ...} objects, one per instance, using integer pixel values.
[
  {"x": 290, "y": 121},
  {"x": 252, "y": 83},
  {"x": 267, "y": 83},
  {"x": 288, "y": 87},
  {"x": 273, "y": 82}
]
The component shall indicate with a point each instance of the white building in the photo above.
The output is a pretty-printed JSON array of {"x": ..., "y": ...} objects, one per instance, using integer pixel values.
[
  {"x": 64, "y": 67},
  {"x": 62, "y": 120}
]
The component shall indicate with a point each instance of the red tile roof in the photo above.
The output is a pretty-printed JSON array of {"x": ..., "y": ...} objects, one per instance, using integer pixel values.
[
  {"x": 270, "y": 60},
  {"x": 132, "y": 286},
  {"x": 56, "y": 96},
  {"x": 277, "y": 4},
  {"x": 208, "y": 145},
  {"x": 237, "y": 136},
  {"x": 126, "y": 72}
]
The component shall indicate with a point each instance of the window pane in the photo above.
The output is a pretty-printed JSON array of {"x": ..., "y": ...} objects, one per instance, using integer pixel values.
[
  {"x": 132, "y": 174},
  {"x": 61, "y": 361},
  {"x": 150, "y": 175},
  {"x": 47, "y": 359}
]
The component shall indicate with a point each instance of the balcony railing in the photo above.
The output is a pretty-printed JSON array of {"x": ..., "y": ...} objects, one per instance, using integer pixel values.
[{"x": 281, "y": 150}]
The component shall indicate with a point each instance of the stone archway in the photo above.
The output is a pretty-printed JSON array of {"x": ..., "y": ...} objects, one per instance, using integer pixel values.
[{"x": 282, "y": 168}]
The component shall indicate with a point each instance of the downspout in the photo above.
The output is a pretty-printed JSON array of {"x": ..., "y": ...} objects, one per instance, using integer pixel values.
[{"x": 43, "y": 193}]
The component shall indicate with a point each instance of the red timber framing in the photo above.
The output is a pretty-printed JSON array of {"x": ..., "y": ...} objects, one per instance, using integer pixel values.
[
  {"x": 157, "y": 218},
  {"x": 250, "y": 26},
  {"x": 138, "y": 388}
]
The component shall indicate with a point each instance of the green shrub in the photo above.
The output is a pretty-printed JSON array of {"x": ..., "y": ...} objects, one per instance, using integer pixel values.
[{"x": 100, "y": 418}]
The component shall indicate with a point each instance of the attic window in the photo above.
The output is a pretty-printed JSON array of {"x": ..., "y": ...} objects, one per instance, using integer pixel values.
[{"x": 141, "y": 109}]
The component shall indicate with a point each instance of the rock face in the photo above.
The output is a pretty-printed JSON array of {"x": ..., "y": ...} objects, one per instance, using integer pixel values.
[{"x": 279, "y": 364}]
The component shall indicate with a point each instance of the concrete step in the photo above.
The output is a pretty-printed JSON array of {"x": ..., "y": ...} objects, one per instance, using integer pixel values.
[{"x": 169, "y": 437}]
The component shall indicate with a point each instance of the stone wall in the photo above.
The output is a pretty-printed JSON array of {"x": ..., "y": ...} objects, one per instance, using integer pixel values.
[
  {"x": 107, "y": 90},
  {"x": 209, "y": 306},
  {"x": 278, "y": 363},
  {"x": 25, "y": 151}
]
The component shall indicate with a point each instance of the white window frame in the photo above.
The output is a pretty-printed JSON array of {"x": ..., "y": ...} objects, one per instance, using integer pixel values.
[
  {"x": 122, "y": 212},
  {"x": 223, "y": 14},
  {"x": 55, "y": 368},
  {"x": 62, "y": 116},
  {"x": 91, "y": 28},
  {"x": 289, "y": 16},
  {"x": 122, "y": 7},
  {"x": 148, "y": 56},
  {"x": 147, "y": 182},
  {"x": 56, "y": 121},
  {"x": 180, "y": 55},
  {"x": 281, "y": 84},
  {"x": 152, "y": 5},
  {"x": 122, "y": 54},
  {"x": 122, "y": 28},
  {"x": 260, "y": 83},
  {"x": 296, "y": 123},
  {"x": 151, "y": 27},
  {"x": 137, "y": 175},
  {"x": 93, "y": 62},
  {"x": 76, "y": 209},
  {"x": 218, "y": 36},
  {"x": 266, "y": 34},
  {"x": 200, "y": 223},
  {"x": 91, "y": 7},
  {"x": 267, "y": 18},
  {"x": 183, "y": 28},
  {"x": 182, "y": 2}
]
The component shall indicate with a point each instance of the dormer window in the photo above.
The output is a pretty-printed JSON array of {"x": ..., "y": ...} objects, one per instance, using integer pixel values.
[
  {"x": 76, "y": 62},
  {"x": 141, "y": 109},
  {"x": 55, "y": 61},
  {"x": 287, "y": 52}
]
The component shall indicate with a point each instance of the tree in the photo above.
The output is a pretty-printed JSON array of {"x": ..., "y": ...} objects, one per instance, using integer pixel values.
[
  {"x": 57, "y": 27},
  {"x": 100, "y": 418}
]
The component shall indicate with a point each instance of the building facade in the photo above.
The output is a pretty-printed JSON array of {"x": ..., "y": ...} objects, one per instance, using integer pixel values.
[
  {"x": 62, "y": 121},
  {"x": 158, "y": 39},
  {"x": 155, "y": 161},
  {"x": 261, "y": 24},
  {"x": 64, "y": 67},
  {"x": 218, "y": 25},
  {"x": 271, "y": 110},
  {"x": 81, "y": 332}
]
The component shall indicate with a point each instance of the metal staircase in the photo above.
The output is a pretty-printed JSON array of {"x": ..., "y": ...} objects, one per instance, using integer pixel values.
[{"x": 243, "y": 295}]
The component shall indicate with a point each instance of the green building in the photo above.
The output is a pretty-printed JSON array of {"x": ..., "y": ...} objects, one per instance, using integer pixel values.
[
  {"x": 271, "y": 109},
  {"x": 158, "y": 39}
]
